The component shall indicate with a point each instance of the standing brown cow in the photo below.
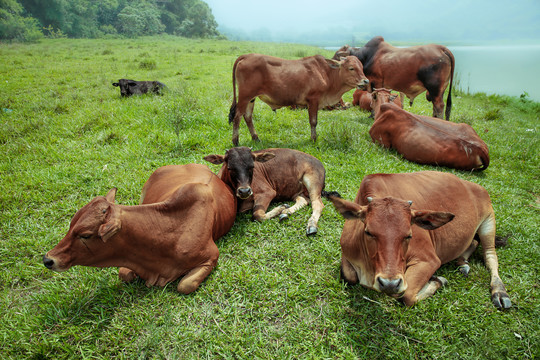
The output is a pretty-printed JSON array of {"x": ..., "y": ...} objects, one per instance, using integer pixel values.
[
  {"x": 411, "y": 70},
  {"x": 312, "y": 81},
  {"x": 184, "y": 210},
  {"x": 259, "y": 177},
  {"x": 402, "y": 227},
  {"x": 424, "y": 139}
]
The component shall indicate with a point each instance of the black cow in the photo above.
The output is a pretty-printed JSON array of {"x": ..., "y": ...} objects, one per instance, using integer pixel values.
[{"x": 132, "y": 87}]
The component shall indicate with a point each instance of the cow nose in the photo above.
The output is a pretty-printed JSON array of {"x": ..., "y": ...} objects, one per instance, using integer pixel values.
[
  {"x": 363, "y": 84},
  {"x": 49, "y": 263},
  {"x": 389, "y": 286},
  {"x": 244, "y": 193}
]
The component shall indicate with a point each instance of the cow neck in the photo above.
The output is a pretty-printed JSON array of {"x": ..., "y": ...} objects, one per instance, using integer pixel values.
[{"x": 145, "y": 222}]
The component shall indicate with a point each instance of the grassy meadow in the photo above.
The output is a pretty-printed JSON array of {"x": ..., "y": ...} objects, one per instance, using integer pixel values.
[{"x": 67, "y": 136}]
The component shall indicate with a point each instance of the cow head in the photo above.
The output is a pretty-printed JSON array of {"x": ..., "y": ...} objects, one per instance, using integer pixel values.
[
  {"x": 387, "y": 233},
  {"x": 381, "y": 96},
  {"x": 127, "y": 87},
  {"x": 351, "y": 72},
  {"x": 88, "y": 241},
  {"x": 238, "y": 165}
]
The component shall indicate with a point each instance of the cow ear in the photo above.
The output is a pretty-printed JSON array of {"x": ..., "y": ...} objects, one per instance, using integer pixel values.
[
  {"x": 264, "y": 157},
  {"x": 111, "y": 195},
  {"x": 215, "y": 159},
  {"x": 349, "y": 209},
  {"x": 111, "y": 225},
  {"x": 115, "y": 84},
  {"x": 334, "y": 64},
  {"x": 430, "y": 220}
]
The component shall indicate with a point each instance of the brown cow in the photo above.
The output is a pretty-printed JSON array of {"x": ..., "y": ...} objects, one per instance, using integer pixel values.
[
  {"x": 259, "y": 177},
  {"x": 394, "y": 240},
  {"x": 362, "y": 98},
  {"x": 426, "y": 140},
  {"x": 411, "y": 70},
  {"x": 312, "y": 81},
  {"x": 184, "y": 209}
]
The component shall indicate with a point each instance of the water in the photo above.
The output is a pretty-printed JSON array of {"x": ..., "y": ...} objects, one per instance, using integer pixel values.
[{"x": 503, "y": 70}]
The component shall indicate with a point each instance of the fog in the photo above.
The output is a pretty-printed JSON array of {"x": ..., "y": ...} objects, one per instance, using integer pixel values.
[{"x": 328, "y": 23}]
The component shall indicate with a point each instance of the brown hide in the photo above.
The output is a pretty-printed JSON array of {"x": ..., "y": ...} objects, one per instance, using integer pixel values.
[
  {"x": 277, "y": 175},
  {"x": 185, "y": 209},
  {"x": 392, "y": 246},
  {"x": 410, "y": 70},
  {"x": 428, "y": 140},
  {"x": 312, "y": 81}
]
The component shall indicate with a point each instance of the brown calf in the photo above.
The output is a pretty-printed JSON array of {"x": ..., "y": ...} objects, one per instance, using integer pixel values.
[
  {"x": 363, "y": 98},
  {"x": 259, "y": 177},
  {"x": 394, "y": 240},
  {"x": 424, "y": 139},
  {"x": 184, "y": 209},
  {"x": 312, "y": 81}
]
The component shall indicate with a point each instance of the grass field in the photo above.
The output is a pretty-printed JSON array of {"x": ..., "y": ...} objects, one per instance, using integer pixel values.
[{"x": 67, "y": 136}]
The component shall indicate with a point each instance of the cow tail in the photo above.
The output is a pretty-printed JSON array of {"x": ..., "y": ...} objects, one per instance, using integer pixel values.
[
  {"x": 449, "y": 98},
  {"x": 327, "y": 194},
  {"x": 232, "y": 112}
]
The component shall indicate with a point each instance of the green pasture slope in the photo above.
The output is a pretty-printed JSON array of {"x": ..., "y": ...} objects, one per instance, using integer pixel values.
[{"x": 67, "y": 136}]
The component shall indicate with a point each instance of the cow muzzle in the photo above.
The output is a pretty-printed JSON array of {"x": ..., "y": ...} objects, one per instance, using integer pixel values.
[
  {"x": 390, "y": 286},
  {"x": 51, "y": 264},
  {"x": 363, "y": 84},
  {"x": 244, "y": 192}
]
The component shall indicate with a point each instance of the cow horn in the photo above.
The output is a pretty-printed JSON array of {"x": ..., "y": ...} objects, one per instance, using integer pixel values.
[
  {"x": 369, "y": 199},
  {"x": 410, "y": 202}
]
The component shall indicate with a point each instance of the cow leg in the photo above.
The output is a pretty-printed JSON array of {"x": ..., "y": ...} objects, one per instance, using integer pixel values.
[
  {"x": 261, "y": 202},
  {"x": 126, "y": 274},
  {"x": 313, "y": 108},
  {"x": 191, "y": 281},
  {"x": 248, "y": 118},
  {"x": 486, "y": 232},
  {"x": 462, "y": 260},
  {"x": 421, "y": 283},
  {"x": 438, "y": 107},
  {"x": 300, "y": 202}
]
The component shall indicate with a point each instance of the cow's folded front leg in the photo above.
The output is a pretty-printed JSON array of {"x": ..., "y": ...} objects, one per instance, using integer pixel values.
[
  {"x": 191, "y": 281},
  {"x": 126, "y": 274}
]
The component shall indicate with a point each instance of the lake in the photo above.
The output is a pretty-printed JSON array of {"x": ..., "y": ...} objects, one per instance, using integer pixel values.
[{"x": 506, "y": 70}]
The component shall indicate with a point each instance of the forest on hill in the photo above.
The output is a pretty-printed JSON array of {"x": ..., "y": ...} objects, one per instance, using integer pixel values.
[{"x": 30, "y": 20}]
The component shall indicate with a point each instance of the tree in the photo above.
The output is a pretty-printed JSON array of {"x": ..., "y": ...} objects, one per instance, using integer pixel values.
[
  {"x": 199, "y": 22},
  {"x": 13, "y": 26},
  {"x": 140, "y": 18}
]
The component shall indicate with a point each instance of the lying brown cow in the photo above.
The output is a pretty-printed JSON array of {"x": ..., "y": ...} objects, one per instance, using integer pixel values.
[
  {"x": 411, "y": 70},
  {"x": 394, "y": 240},
  {"x": 424, "y": 139},
  {"x": 313, "y": 81},
  {"x": 132, "y": 87},
  {"x": 273, "y": 174},
  {"x": 362, "y": 98},
  {"x": 185, "y": 208}
]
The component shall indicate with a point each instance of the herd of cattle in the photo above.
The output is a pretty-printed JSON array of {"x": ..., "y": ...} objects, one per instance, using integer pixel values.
[{"x": 398, "y": 231}]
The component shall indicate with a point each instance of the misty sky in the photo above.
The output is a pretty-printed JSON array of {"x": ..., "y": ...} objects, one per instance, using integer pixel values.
[{"x": 454, "y": 20}]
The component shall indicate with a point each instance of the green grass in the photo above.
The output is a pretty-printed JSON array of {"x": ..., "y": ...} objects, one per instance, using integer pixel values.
[{"x": 68, "y": 136}]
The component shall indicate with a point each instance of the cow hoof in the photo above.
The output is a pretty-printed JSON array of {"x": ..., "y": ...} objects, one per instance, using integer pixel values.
[
  {"x": 501, "y": 300},
  {"x": 440, "y": 280},
  {"x": 311, "y": 230},
  {"x": 464, "y": 269},
  {"x": 283, "y": 217}
]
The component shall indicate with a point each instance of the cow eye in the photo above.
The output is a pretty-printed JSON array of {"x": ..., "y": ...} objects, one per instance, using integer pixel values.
[
  {"x": 368, "y": 233},
  {"x": 351, "y": 68},
  {"x": 408, "y": 237},
  {"x": 85, "y": 236}
]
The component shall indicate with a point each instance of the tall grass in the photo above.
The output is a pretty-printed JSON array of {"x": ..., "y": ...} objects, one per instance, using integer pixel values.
[{"x": 67, "y": 136}]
